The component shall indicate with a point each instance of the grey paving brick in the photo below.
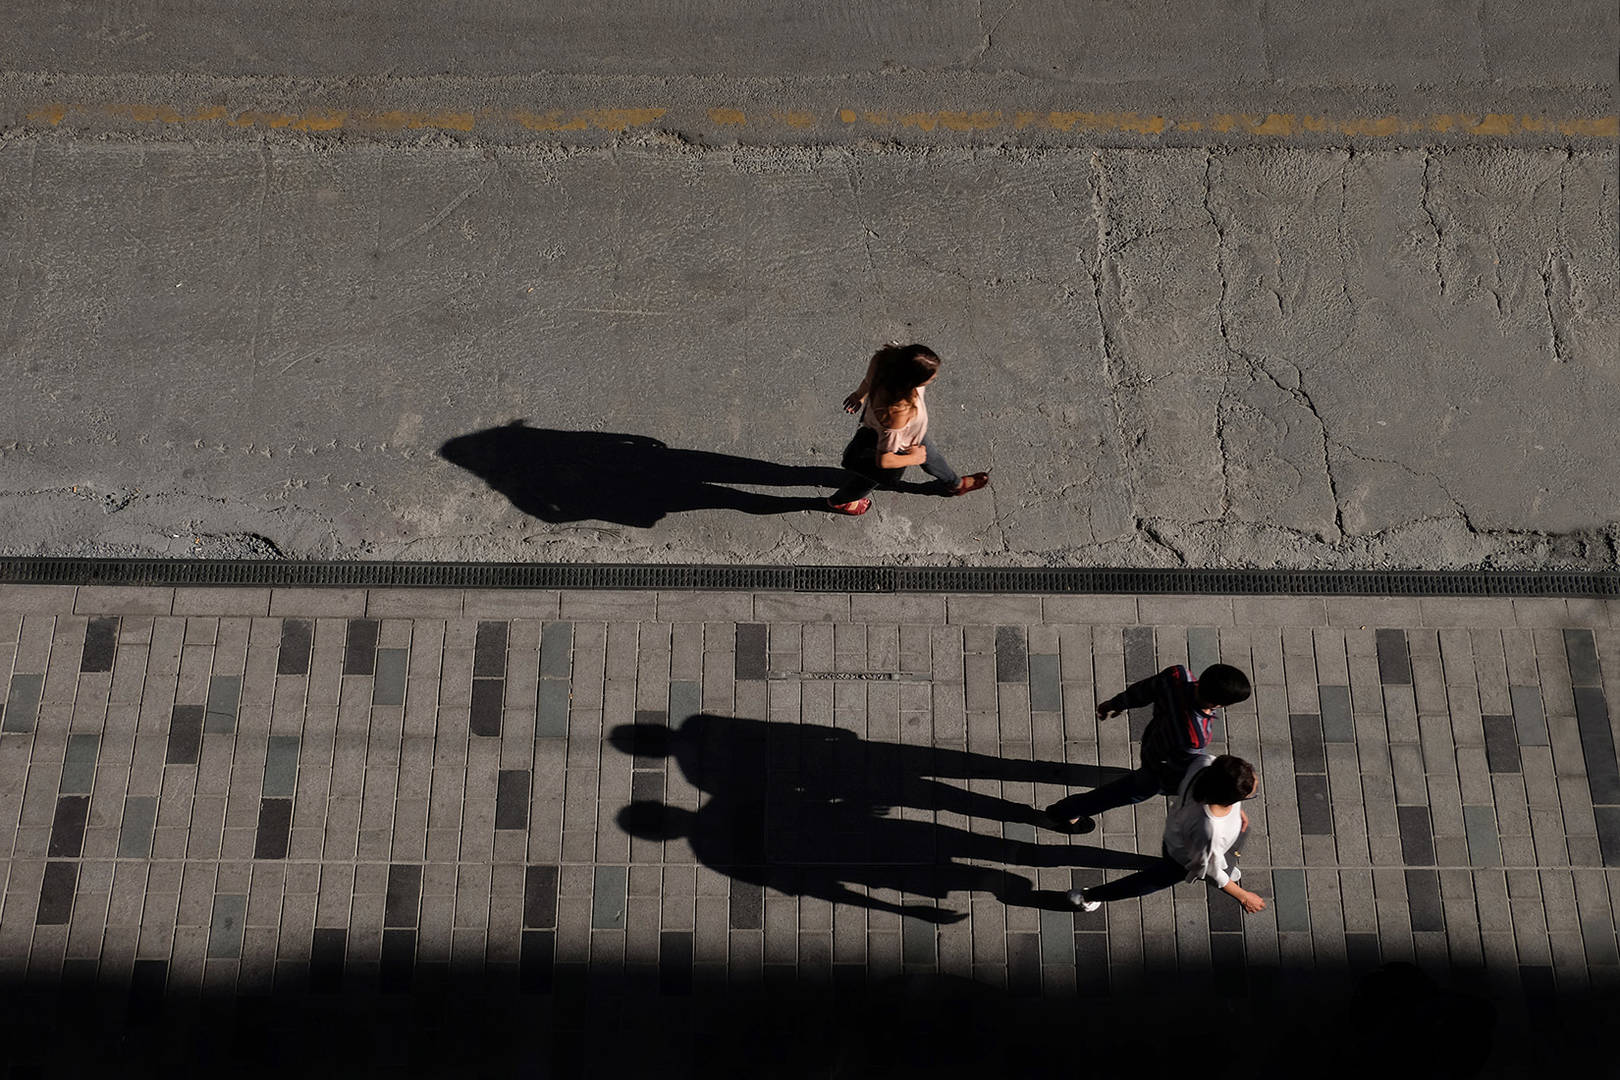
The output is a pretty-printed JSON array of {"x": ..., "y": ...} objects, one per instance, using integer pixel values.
[
  {"x": 135, "y": 831},
  {"x": 1289, "y": 900},
  {"x": 391, "y": 668},
  {"x": 1315, "y": 812},
  {"x": 1141, "y": 659},
  {"x": 226, "y": 926},
  {"x": 1484, "y": 845},
  {"x": 22, "y": 703},
  {"x": 101, "y": 642},
  {"x": 1417, "y": 839},
  {"x": 1337, "y": 720},
  {"x": 608, "y": 897},
  {"x": 750, "y": 653},
  {"x": 1597, "y": 745},
  {"x": 551, "y": 716},
  {"x": 1012, "y": 654},
  {"x": 79, "y": 764}
]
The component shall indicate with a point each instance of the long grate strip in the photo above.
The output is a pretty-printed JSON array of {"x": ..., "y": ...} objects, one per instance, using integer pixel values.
[{"x": 856, "y": 579}]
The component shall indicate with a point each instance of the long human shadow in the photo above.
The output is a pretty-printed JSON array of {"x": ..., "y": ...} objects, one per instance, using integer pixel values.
[
  {"x": 566, "y": 476},
  {"x": 812, "y": 810}
]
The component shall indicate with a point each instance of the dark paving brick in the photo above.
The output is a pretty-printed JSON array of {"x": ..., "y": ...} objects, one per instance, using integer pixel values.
[
  {"x": 79, "y": 765},
  {"x": 1045, "y": 683},
  {"x": 67, "y": 827},
  {"x": 551, "y": 716},
  {"x": 1484, "y": 845},
  {"x": 919, "y": 941},
  {"x": 539, "y": 897},
  {"x": 224, "y": 699},
  {"x": 135, "y": 831},
  {"x": 751, "y": 659},
  {"x": 1597, "y": 744},
  {"x": 556, "y": 650},
  {"x": 392, "y": 667},
  {"x": 675, "y": 963},
  {"x": 1310, "y": 756},
  {"x": 1501, "y": 745},
  {"x": 1338, "y": 723},
  {"x": 1288, "y": 897},
  {"x": 404, "y": 895},
  {"x": 1361, "y": 952},
  {"x": 1394, "y": 662},
  {"x": 512, "y": 799},
  {"x": 1225, "y": 914},
  {"x": 1423, "y": 900},
  {"x": 647, "y": 786},
  {"x": 281, "y": 767},
  {"x": 147, "y": 979},
  {"x": 275, "y": 829},
  {"x": 1023, "y": 964},
  {"x": 1315, "y": 812},
  {"x": 537, "y": 953},
  {"x": 1417, "y": 835},
  {"x": 56, "y": 894},
  {"x": 1091, "y": 963},
  {"x": 489, "y": 650},
  {"x": 22, "y": 703},
  {"x": 185, "y": 735},
  {"x": 1141, "y": 657},
  {"x": 297, "y": 637},
  {"x": 1608, "y": 829},
  {"x": 1012, "y": 654},
  {"x": 1528, "y": 716},
  {"x": 747, "y": 905},
  {"x": 398, "y": 961},
  {"x": 360, "y": 647},
  {"x": 326, "y": 957},
  {"x": 488, "y": 697},
  {"x": 1581, "y": 648},
  {"x": 608, "y": 897},
  {"x": 100, "y": 643}
]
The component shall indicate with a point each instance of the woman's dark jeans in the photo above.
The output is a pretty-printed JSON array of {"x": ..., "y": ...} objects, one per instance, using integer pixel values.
[
  {"x": 863, "y": 474},
  {"x": 1163, "y": 874}
]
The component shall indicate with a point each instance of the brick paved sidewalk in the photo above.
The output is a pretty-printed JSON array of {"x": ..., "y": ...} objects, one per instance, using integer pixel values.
[{"x": 382, "y": 806}]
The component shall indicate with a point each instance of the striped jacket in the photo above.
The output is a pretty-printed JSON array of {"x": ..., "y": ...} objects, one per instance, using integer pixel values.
[{"x": 1179, "y": 729}]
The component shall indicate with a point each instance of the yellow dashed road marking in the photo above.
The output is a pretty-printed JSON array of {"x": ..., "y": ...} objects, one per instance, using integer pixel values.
[{"x": 944, "y": 122}]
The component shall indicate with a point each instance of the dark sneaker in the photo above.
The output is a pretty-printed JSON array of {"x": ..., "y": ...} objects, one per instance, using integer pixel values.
[{"x": 1064, "y": 825}]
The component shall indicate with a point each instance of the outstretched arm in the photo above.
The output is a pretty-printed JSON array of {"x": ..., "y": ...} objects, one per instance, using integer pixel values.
[{"x": 1133, "y": 697}]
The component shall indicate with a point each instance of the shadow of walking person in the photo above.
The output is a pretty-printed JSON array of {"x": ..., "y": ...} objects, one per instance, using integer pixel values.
[
  {"x": 565, "y": 476},
  {"x": 809, "y": 810}
]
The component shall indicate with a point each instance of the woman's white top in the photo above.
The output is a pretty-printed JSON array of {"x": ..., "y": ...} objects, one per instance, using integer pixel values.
[
  {"x": 1196, "y": 838},
  {"x": 894, "y": 440}
]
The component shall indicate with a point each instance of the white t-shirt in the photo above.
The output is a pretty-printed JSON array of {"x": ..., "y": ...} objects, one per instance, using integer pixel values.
[{"x": 1196, "y": 838}]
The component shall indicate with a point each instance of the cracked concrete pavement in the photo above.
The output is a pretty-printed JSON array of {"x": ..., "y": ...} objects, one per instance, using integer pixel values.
[{"x": 1200, "y": 348}]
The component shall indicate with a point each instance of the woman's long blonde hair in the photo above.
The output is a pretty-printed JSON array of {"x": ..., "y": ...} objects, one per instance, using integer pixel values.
[{"x": 897, "y": 373}]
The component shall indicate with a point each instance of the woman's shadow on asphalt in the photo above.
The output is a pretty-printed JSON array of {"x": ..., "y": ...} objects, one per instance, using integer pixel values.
[
  {"x": 809, "y": 810},
  {"x": 567, "y": 476}
]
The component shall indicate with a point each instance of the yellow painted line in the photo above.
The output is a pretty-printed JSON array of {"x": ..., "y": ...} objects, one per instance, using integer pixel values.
[{"x": 1266, "y": 126}]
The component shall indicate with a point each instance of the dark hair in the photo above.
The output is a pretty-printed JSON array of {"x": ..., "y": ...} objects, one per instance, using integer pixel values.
[
  {"x": 1229, "y": 780},
  {"x": 1223, "y": 684},
  {"x": 900, "y": 369}
]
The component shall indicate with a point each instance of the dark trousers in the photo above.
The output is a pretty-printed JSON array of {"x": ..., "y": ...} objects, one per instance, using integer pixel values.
[
  {"x": 1153, "y": 778},
  {"x": 862, "y": 475},
  {"x": 1163, "y": 874}
]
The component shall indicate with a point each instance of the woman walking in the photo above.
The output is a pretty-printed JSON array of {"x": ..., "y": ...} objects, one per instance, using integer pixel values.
[
  {"x": 1206, "y": 824},
  {"x": 894, "y": 429}
]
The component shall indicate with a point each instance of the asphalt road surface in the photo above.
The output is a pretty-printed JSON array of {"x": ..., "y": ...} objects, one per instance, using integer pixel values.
[{"x": 1242, "y": 285}]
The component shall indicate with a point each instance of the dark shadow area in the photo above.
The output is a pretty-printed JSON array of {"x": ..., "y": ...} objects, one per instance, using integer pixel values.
[
  {"x": 565, "y": 476},
  {"x": 669, "y": 1020},
  {"x": 811, "y": 810}
]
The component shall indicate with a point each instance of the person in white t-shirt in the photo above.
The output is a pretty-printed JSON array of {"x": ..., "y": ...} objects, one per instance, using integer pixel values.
[{"x": 1205, "y": 824}]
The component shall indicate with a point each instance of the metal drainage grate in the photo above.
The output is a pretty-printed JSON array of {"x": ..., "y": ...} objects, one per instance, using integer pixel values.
[{"x": 838, "y": 579}]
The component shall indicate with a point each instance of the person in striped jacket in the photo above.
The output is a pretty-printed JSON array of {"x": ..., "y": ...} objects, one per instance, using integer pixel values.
[{"x": 1183, "y": 715}]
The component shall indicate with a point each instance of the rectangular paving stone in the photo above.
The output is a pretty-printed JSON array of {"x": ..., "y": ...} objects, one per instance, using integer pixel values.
[
  {"x": 22, "y": 703},
  {"x": 274, "y": 831},
  {"x": 404, "y": 895},
  {"x": 1012, "y": 654},
  {"x": 1394, "y": 662},
  {"x": 488, "y": 699},
  {"x": 185, "y": 735},
  {"x": 1608, "y": 830},
  {"x": 281, "y": 766},
  {"x": 1597, "y": 745},
  {"x": 750, "y": 659},
  {"x": 540, "y": 897},
  {"x": 1417, "y": 837},
  {"x": 1203, "y": 648},
  {"x": 79, "y": 764},
  {"x": 226, "y": 925},
  {"x": 1423, "y": 900},
  {"x": 360, "y": 646},
  {"x": 397, "y": 962},
  {"x": 608, "y": 897},
  {"x": 1528, "y": 718},
  {"x": 67, "y": 826},
  {"x": 551, "y": 715},
  {"x": 918, "y": 941},
  {"x": 224, "y": 698},
  {"x": 1141, "y": 658},
  {"x": 1305, "y": 731},
  {"x": 1315, "y": 812},
  {"x": 135, "y": 829},
  {"x": 1501, "y": 744},
  {"x": 556, "y": 650},
  {"x": 56, "y": 894},
  {"x": 512, "y": 799},
  {"x": 489, "y": 650},
  {"x": 1337, "y": 719},
  {"x": 1045, "y": 685},
  {"x": 393, "y": 665},
  {"x": 685, "y": 699},
  {"x": 1583, "y": 658},
  {"x": 328, "y": 949},
  {"x": 101, "y": 642},
  {"x": 297, "y": 638},
  {"x": 747, "y": 910},
  {"x": 1288, "y": 891},
  {"x": 1484, "y": 845}
]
